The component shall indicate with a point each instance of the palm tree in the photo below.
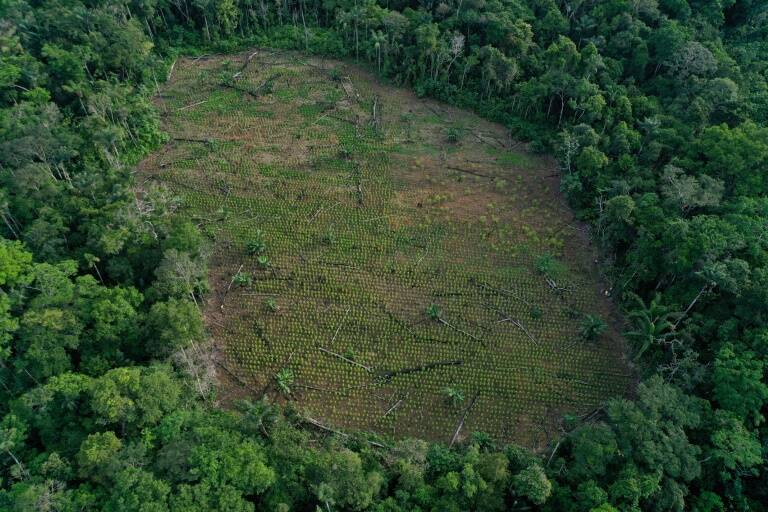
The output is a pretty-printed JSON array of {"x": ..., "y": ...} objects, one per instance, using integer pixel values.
[
  {"x": 379, "y": 41},
  {"x": 652, "y": 323}
]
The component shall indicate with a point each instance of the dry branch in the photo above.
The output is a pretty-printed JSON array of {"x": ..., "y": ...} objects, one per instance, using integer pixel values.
[
  {"x": 192, "y": 105},
  {"x": 395, "y": 406},
  {"x": 556, "y": 287},
  {"x": 339, "y": 326},
  {"x": 343, "y": 119},
  {"x": 504, "y": 292},
  {"x": 376, "y": 116},
  {"x": 465, "y": 333},
  {"x": 236, "y": 377},
  {"x": 170, "y": 72},
  {"x": 255, "y": 93},
  {"x": 520, "y": 326},
  {"x": 187, "y": 139},
  {"x": 482, "y": 139},
  {"x": 232, "y": 281},
  {"x": 319, "y": 425}
]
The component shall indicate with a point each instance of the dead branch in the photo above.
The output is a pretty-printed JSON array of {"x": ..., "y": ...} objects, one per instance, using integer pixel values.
[
  {"x": 554, "y": 451},
  {"x": 186, "y": 139},
  {"x": 339, "y": 326},
  {"x": 504, "y": 292},
  {"x": 255, "y": 93},
  {"x": 232, "y": 281},
  {"x": 375, "y": 118},
  {"x": 307, "y": 386},
  {"x": 465, "y": 333},
  {"x": 343, "y": 119},
  {"x": 519, "y": 326},
  {"x": 236, "y": 377},
  {"x": 463, "y": 418},
  {"x": 482, "y": 139},
  {"x": 395, "y": 406},
  {"x": 556, "y": 287},
  {"x": 170, "y": 72},
  {"x": 245, "y": 64},
  {"x": 319, "y": 425}
]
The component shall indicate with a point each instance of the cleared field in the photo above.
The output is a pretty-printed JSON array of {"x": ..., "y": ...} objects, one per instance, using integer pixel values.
[{"x": 373, "y": 249}]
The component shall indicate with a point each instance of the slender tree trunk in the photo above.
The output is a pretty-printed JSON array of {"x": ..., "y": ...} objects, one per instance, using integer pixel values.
[{"x": 704, "y": 289}]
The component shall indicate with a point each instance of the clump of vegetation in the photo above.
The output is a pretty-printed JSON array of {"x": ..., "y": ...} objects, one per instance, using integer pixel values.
[
  {"x": 243, "y": 279},
  {"x": 549, "y": 266},
  {"x": 271, "y": 305},
  {"x": 453, "y": 395},
  {"x": 434, "y": 312},
  {"x": 592, "y": 327},
  {"x": 453, "y": 135},
  {"x": 328, "y": 238},
  {"x": 263, "y": 261},
  {"x": 257, "y": 245},
  {"x": 285, "y": 378}
]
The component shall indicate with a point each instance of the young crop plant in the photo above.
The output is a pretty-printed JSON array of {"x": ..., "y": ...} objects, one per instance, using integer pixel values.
[{"x": 263, "y": 261}]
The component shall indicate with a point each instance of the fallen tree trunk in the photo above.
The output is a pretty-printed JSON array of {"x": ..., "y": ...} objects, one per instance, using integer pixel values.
[
  {"x": 345, "y": 359},
  {"x": 463, "y": 419},
  {"x": 467, "y": 171},
  {"x": 415, "y": 369}
]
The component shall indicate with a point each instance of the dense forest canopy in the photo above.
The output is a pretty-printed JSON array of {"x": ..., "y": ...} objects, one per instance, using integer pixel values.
[{"x": 656, "y": 111}]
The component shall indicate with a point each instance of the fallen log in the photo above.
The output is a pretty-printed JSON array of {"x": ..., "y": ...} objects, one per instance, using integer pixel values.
[
  {"x": 415, "y": 369},
  {"x": 319, "y": 425},
  {"x": 192, "y": 105},
  {"x": 397, "y": 404},
  {"x": 345, "y": 359},
  {"x": 467, "y": 171},
  {"x": 463, "y": 419},
  {"x": 189, "y": 139}
]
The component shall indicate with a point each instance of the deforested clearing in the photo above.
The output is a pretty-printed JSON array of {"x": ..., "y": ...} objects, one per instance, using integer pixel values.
[{"x": 384, "y": 262}]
